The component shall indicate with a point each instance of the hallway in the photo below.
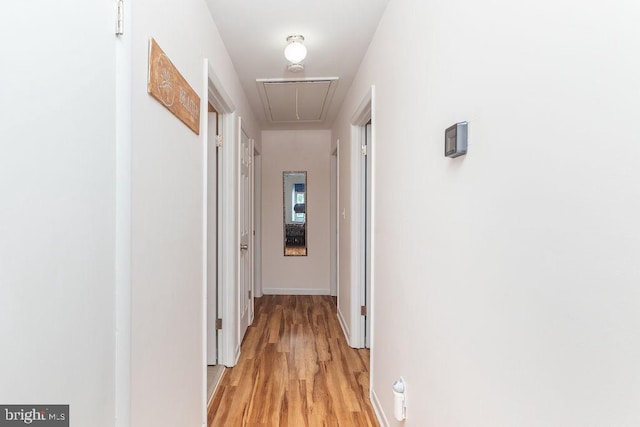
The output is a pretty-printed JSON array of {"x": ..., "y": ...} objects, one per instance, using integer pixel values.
[
  {"x": 504, "y": 282},
  {"x": 295, "y": 369}
]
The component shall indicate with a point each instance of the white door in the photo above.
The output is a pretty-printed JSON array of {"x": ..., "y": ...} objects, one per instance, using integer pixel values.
[
  {"x": 246, "y": 228},
  {"x": 212, "y": 238}
]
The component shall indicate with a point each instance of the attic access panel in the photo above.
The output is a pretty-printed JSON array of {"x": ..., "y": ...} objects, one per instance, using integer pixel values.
[{"x": 296, "y": 101}]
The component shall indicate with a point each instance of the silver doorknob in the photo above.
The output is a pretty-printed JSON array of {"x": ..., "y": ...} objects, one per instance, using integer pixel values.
[{"x": 244, "y": 247}]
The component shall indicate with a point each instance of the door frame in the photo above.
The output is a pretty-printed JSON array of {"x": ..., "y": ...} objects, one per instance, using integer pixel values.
[
  {"x": 359, "y": 296},
  {"x": 226, "y": 224}
]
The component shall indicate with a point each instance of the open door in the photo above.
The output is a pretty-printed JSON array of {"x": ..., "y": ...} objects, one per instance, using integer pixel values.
[{"x": 246, "y": 231}]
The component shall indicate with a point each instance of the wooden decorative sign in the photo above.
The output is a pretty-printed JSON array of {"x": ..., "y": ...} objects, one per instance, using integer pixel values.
[{"x": 166, "y": 84}]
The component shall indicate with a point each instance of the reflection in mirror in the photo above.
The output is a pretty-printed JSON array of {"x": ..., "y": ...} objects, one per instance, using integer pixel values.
[{"x": 294, "y": 189}]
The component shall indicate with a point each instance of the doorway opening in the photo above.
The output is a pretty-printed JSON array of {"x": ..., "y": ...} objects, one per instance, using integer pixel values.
[
  {"x": 362, "y": 218},
  {"x": 218, "y": 219},
  {"x": 212, "y": 161}
]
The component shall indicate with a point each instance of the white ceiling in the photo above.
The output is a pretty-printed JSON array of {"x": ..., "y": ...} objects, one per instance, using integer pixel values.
[{"x": 337, "y": 34}]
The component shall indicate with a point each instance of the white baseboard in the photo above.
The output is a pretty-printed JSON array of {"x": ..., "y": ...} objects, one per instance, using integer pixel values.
[
  {"x": 294, "y": 291},
  {"x": 377, "y": 408},
  {"x": 236, "y": 358},
  {"x": 216, "y": 383},
  {"x": 343, "y": 325}
]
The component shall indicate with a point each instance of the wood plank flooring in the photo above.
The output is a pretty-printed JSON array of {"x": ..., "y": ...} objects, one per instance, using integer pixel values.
[{"x": 295, "y": 370}]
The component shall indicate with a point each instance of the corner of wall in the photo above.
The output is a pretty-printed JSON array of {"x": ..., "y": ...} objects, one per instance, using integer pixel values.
[{"x": 343, "y": 325}]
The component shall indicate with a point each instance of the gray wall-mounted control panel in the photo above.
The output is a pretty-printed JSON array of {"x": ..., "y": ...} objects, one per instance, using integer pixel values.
[{"x": 455, "y": 140}]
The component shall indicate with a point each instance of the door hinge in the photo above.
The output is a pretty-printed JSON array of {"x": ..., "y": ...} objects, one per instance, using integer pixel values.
[
  {"x": 364, "y": 150},
  {"x": 249, "y": 292},
  {"x": 363, "y": 310},
  {"x": 120, "y": 18},
  {"x": 218, "y": 324},
  {"x": 218, "y": 141}
]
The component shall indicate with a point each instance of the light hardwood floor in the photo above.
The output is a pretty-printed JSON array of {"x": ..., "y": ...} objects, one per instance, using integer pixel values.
[{"x": 295, "y": 370}]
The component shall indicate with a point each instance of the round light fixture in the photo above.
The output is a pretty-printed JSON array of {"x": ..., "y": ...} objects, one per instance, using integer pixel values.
[{"x": 295, "y": 52}]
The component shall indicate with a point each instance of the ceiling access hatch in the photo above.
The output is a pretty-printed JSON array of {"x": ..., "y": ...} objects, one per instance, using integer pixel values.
[{"x": 296, "y": 100}]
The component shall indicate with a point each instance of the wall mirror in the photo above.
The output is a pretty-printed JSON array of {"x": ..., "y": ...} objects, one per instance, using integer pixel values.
[{"x": 294, "y": 190}]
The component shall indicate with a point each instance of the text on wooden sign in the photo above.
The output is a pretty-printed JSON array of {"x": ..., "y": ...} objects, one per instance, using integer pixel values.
[{"x": 166, "y": 84}]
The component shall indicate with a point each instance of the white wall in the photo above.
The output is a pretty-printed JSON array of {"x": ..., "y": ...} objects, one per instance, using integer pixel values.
[
  {"x": 57, "y": 209},
  {"x": 58, "y": 217},
  {"x": 296, "y": 151},
  {"x": 167, "y": 258},
  {"x": 508, "y": 284}
]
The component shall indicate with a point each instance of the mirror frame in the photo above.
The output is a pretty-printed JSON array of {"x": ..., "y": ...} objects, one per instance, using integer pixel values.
[{"x": 294, "y": 250}]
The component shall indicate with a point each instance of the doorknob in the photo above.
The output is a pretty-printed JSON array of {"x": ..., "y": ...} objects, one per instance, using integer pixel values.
[{"x": 244, "y": 247}]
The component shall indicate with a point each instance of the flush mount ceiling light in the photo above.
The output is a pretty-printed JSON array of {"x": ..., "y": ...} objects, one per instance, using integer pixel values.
[{"x": 295, "y": 52}]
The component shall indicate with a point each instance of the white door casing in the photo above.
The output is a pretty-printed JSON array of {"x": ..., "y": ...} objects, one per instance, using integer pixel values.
[{"x": 367, "y": 193}]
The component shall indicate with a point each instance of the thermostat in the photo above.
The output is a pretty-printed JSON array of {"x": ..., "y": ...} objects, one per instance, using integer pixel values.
[{"x": 455, "y": 140}]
